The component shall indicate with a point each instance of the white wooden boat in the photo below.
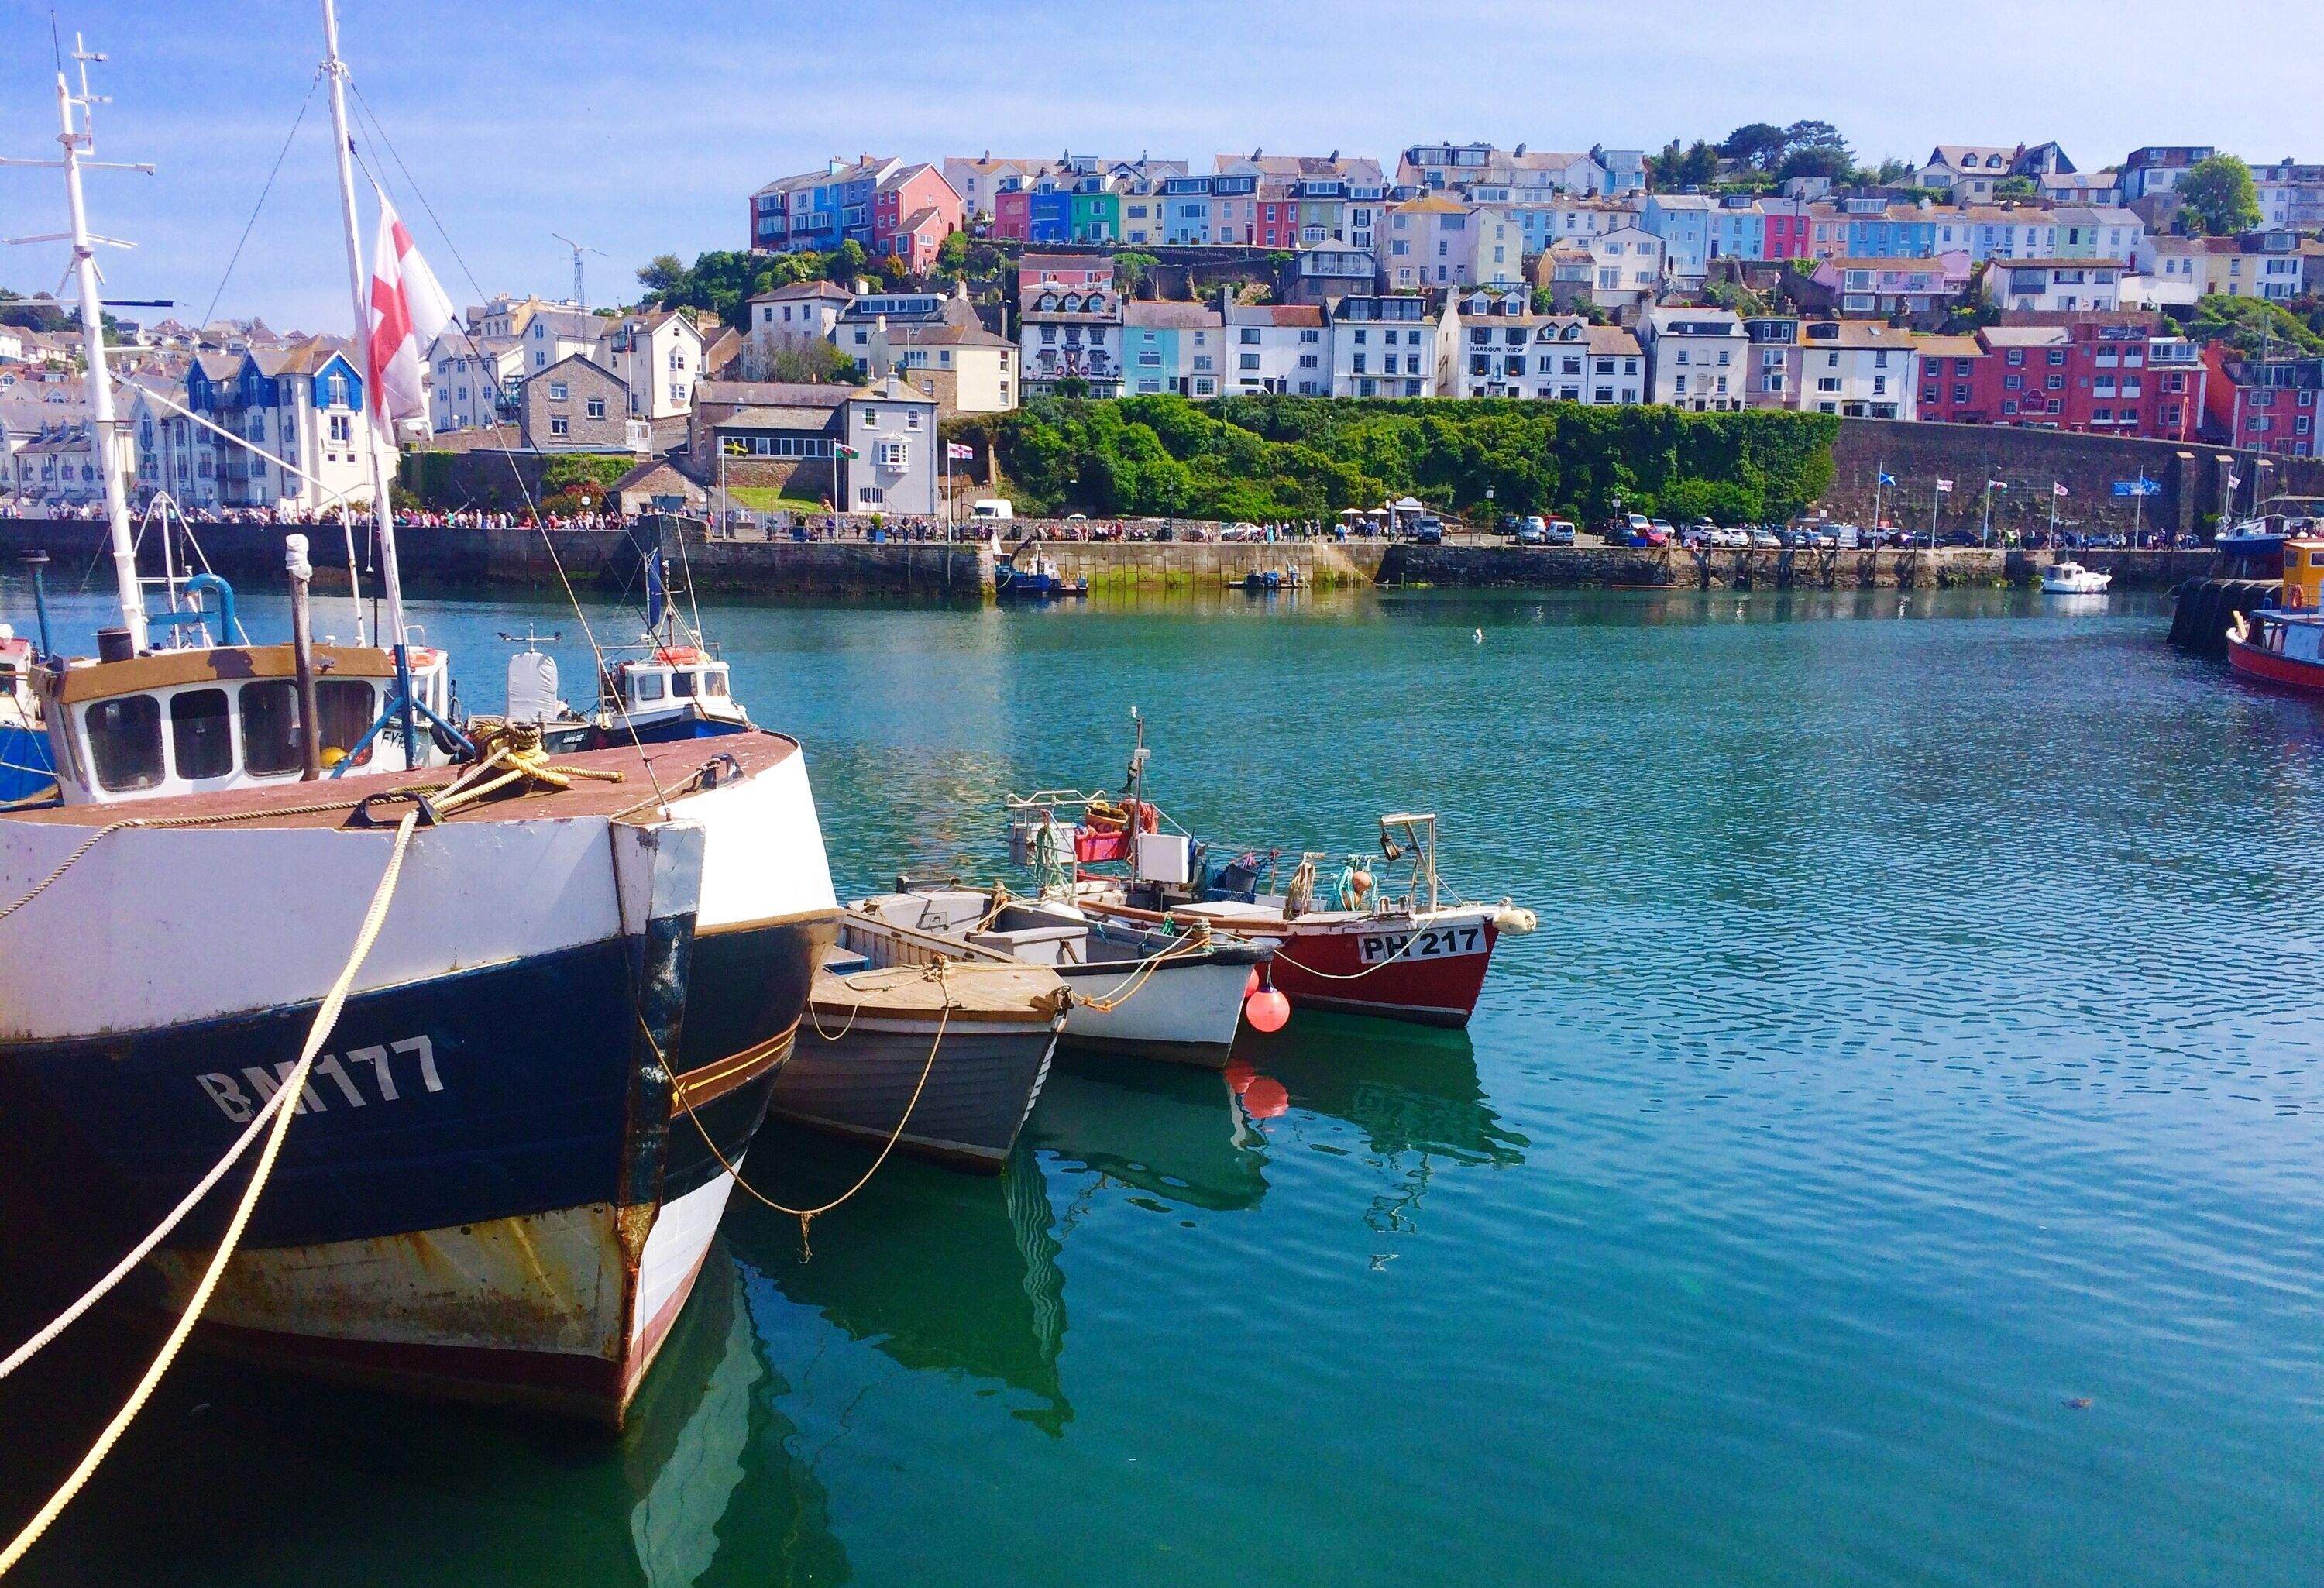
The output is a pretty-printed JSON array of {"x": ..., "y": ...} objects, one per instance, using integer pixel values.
[
  {"x": 923, "y": 1040},
  {"x": 1136, "y": 990}
]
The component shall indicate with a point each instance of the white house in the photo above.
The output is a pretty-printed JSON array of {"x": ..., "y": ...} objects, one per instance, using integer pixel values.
[
  {"x": 1626, "y": 266},
  {"x": 1859, "y": 368},
  {"x": 1385, "y": 347},
  {"x": 787, "y": 319},
  {"x": 1276, "y": 347},
  {"x": 1697, "y": 356},
  {"x": 659, "y": 353},
  {"x": 1500, "y": 348},
  {"x": 2055, "y": 283},
  {"x": 472, "y": 381}
]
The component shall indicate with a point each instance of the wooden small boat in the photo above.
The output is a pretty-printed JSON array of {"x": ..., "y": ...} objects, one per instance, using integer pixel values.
[
  {"x": 925, "y": 1039},
  {"x": 1138, "y": 989}
]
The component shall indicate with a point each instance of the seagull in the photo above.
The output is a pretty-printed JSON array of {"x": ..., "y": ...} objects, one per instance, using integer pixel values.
[{"x": 1481, "y": 636}]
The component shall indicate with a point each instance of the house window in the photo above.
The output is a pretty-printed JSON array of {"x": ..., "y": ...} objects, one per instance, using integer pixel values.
[
  {"x": 558, "y": 425},
  {"x": 596, "y": 408},
  {"x": 557, "y": 391}
]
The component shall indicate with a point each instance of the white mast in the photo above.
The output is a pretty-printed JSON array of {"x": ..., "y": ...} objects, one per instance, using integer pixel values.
[
  {"x": 78, "y": 141},
  {"x": 383, "y": 513}
]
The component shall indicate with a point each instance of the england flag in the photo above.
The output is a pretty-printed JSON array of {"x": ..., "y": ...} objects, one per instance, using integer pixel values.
[{"x": 409, "y": 311}]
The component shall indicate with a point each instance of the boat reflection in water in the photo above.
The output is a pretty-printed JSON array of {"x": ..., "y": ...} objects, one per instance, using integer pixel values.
[
  {"x": 941, "y": 1272},
  {"x": 1181, "y": 1135},
  {"x": 707, "y": 1458},
  {"x": 1412, "y": 1091}
]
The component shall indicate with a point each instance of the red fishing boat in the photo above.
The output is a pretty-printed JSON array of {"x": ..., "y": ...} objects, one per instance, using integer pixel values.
[
  {"x": 1381, "y": 939},
  {"x": 2286, "y": 646}
]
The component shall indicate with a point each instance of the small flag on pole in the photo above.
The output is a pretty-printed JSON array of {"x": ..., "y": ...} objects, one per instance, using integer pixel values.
[
  {"x": 960, "y": 451},
  {"x": 845, "y": 450},
  {"x": 1887, "y": 478},
  {"x": 2057, "y": 489},
  {"x": 1996, "y": 485},
  {"x": 2234, "y": 480},
  {"x": 1944, "y": 484}
]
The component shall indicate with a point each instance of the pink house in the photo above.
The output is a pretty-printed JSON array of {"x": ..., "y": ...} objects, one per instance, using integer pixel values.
[
  {"x": 910, "y": 203},
  {"x": 1013, "y": 214},
  {"x": 1787, "y": 228},
  {"x": 1064, "y": 270}
]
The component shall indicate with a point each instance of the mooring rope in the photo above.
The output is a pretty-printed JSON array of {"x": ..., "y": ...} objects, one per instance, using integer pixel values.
[
  {"x": 326, "y": 1017},
  {"x": 806, "y": 1216}
]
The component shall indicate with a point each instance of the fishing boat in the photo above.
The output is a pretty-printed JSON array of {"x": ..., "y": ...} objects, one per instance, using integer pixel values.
[
  {"x": 2285, "y": 644},
  {"x": 670, "y": 685},
  {"x": 503, "y": 1173},
  {"x": 2072, "y": 578},
  {"x": 1387, "y": 943},
  {"x": 1138, "y": 989},
  {"x": 923, "y": 1041},
  {"x": 1034, "y": 577}
]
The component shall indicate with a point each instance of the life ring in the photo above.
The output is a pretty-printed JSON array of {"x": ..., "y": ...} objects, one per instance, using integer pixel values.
[
  {"x": 2239, "y": 631},
  {"x": 677, "y": 655}
]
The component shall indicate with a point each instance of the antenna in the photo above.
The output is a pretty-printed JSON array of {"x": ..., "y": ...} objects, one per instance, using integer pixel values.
[{"x": 580, "y": 294}]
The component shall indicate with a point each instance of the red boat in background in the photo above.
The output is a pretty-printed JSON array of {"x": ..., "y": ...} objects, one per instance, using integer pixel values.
[
  {"x": 2286, "y": 646},
  {"x": 1382, "y": 939}
]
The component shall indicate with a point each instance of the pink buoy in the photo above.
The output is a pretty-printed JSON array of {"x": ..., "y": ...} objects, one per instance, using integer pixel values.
[
  {"x": 1250, "y": 981},
  {"x": 1267, "y": 1009}
]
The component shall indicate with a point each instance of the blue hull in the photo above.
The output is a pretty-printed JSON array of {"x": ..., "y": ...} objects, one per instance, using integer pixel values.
[
  {"x": 27, "y": 769},
  {"x": 490, "y": 1094}
]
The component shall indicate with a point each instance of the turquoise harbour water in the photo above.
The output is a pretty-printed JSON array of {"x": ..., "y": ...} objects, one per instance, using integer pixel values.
[{"x": 1898, "y": 1157}]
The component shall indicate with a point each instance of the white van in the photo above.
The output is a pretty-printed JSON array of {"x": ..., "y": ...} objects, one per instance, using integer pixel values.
[{"x": 992, "y": 507}]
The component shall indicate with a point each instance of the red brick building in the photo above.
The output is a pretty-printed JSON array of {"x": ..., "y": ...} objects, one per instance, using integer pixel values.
[
  {"x": 2273, "y": 404},
  {"x": 2104, "y": 373}
]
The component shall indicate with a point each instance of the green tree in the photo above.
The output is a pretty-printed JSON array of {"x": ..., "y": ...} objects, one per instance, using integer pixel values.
[
  {"x": 1817, "y": 159},
  {"x": 2219, "y": 196},
  {"x": 661, "y": 274},
  {"x": 2251, "y": 325},
  {"x": 951, "y": 256},
  {"x": 1756, "y": 144},
  {"x": 1131, "y": 267},
  {"x": 1699, "y": 166},
  {"x": 2016, "y": 188}
]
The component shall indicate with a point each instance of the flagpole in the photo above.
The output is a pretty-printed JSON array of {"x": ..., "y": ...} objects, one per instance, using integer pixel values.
[
  {"x": 1879, "y": 478},
  {"x": 1934, "y": 494},
  {"x": 2053, "y": 514},
  {"x": 383, "y": 512}
]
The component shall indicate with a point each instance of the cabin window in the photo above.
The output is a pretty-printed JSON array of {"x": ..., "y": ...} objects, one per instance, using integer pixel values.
[
  {"x": 344, "y": 709},
  {"x": 269, "y": 728},
  {"x": 124, "y": 741},
  {"x": 713, "y": 682},
  {"x": 681, "y": 683},
  {"x": 646, "y": 686},
  {"x": 201, "y": 734}
]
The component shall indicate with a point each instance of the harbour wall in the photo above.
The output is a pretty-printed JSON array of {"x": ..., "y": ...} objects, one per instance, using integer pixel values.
[{"x": 444, "y": 560}]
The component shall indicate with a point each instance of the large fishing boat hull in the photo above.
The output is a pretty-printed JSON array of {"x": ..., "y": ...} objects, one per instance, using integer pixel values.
[
  {"x": 858, "y": 1064},
  {"x": 511, "y": 1158},
  {"x": 2273, "y": 667}
]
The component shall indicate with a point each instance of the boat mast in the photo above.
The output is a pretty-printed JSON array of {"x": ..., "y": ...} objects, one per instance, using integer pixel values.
[
  {"x": 383, "y": 512},
  {"x": 98, "y": 379}
]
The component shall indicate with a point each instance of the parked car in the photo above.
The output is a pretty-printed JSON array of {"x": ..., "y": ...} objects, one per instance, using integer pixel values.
[
  {"x": 1561, "y": 531},
  {"x": 1766, "y": 540},
  {"x": 1532, "y": 533},
  {"x": 1428, "y": 531}
]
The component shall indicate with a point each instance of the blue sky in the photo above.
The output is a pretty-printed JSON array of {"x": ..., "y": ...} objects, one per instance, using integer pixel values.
[{"x": 641, "y": 134}]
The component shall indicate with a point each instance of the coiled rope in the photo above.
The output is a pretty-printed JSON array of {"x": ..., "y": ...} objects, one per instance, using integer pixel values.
[
  {"x": 326, "y": 1017},
  {"x": 1130, "y": 986},
  {"x": 808, "y": 1215}
]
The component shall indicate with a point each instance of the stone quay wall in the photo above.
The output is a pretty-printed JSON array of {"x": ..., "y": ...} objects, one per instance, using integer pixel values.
[{"x": 2191, "y": 474}]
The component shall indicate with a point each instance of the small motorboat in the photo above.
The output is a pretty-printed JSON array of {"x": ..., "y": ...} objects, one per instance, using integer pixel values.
[
  {"x": 923, "y": 1040},
  {"x": 28, "y": 768},
  {"x": 1036, "y": 578},
  {"x": 1138, "y": 989},
  {"x": 2072, "y": 578}
]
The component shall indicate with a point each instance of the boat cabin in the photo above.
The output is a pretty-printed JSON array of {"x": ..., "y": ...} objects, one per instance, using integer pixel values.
[
  {"x": 671, "y": 682},
  {"x": 191, "y": 721}
]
